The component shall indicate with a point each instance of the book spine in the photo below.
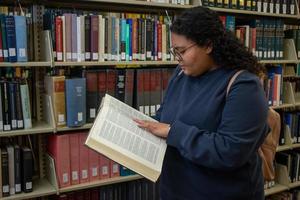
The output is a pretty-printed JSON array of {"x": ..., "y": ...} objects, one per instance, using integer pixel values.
[{"x": 11, "y": 38}]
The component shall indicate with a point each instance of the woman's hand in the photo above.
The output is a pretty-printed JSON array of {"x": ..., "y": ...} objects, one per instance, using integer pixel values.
[{"x": 156, "y": 128}]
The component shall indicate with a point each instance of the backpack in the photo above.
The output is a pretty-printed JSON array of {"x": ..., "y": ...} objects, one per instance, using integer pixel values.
[{"x": 267, "y": 150}]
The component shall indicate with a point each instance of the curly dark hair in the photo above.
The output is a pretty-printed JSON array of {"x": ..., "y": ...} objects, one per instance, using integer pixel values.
[{"x": 204, "y": 27}]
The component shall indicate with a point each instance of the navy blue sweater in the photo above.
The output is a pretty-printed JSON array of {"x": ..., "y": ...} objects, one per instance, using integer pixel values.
[{"x": 213, "y": 140}]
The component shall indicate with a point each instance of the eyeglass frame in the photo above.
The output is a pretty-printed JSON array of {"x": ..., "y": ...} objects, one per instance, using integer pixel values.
[{"x": 178, "y": 54}]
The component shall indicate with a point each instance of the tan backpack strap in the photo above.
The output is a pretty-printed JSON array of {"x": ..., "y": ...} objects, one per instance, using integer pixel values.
[{"x": 232, "y": 80}]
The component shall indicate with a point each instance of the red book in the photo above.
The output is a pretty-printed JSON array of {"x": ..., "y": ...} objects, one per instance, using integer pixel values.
[
  {"x": 74, "y": 158},
  {"x": 134, "y": 39},
  {"x": 59, "y": 38},
  {"x": 114, "y": 169},
  {"x": 102, "y": 84},
  {"x": 94, "y": 37},
  {"x": 84, "y": 159},
  {"x": 104, "y": 166},
  {"x": 111, "y": 81},
  {"x": 58, "y": 148},
  {"x": 159, "y": 41},
  {"x": 223, "y": 19},
  {"x": 91, "y": 95},
  {"x": 93, "y": 165}
]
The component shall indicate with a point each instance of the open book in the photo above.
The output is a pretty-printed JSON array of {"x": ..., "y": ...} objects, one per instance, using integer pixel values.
[{"x": 115, "y": 135}]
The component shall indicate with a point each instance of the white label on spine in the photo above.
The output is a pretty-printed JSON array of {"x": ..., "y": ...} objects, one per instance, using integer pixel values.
[
  {"x": 18, "y": 187},
  {"x": 74, "y": 175},
  {"x": 65, "y": 177},
  {"x": 84, "y": 174},
  {"x": 22, "y": 52},
  {"x": 5, "y": 53},
  {"x": 5, "y": 189},
  {"x": 12, "y": 51},
  {"x": 104, "y": 170},
  {"x": 92, "y": 113},
  {"x": 61, "y": 118},
  {"x": 28, "y": 185},
  {"x": 94, "y": 171},
  {"x": 80, "y": 116}
]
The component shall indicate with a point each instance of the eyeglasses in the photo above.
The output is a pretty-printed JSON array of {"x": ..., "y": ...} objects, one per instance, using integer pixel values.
[{"x": 179, "y": 53}]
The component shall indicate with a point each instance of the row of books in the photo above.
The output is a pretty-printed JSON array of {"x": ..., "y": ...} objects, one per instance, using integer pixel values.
[
  {"x": 178, "y": 2},
  {"x": 16, "y": 169},
  {"x": 13, "y": 39},
  {"x": 266, "y": 6},
  {"x": 140, "y": 189},
  {"x": 75, "y": 163},
  {"x": 263, "y": 37},
  {"x": 295, "y": 35},
  {"x": 291, "y": 160},
  {"x": 273, "y": 86},
  {"x": 292, "y": 121},
  {"x": 79, "y": 98},
  {"x": 15, "y": 111},
  {"x": 108, "y": 36}
]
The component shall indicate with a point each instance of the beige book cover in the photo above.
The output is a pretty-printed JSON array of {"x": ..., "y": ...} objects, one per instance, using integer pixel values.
[{"x": 55, "y": 87}]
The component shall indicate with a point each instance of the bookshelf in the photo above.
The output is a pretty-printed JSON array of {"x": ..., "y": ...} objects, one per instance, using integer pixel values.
[
  {"x": 100, "y": 183},
  {"x": 259, "y": 14},
  {"x": 116, "y": 63},
  {"x": 276, "y": 189},
  {"x": 139, "y": 3},
  {"x": 25, "y": 64},
  {"x": 44, "y": 187},
  {"x": 37, "y": 128}
]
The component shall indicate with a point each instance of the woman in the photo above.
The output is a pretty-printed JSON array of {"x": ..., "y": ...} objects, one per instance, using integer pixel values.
[{"x": 212, "y": 139}]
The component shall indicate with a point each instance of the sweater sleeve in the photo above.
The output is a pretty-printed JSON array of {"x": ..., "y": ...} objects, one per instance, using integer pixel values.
[{"x": 241, "y": 130}]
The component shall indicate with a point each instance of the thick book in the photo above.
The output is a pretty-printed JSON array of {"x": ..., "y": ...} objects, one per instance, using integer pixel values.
[
  {"x": 115, "y": 135},
  {"x": 11, "y": 38},
  {"x": 11, "y": 169},
  {"x": 17, "y": 162},
  {"x": 21, "y": 38},
  {"x": 27, "y": 169},
  {"x": 76, "y": 101},
  {"x": 58, "y": 147},
  {"x": 5, "y": 172}
]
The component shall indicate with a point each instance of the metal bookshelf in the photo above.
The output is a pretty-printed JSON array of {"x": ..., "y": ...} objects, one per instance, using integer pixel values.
[
  {"x": 41, "y": 187},
  {"x": 37, "y": 128}
]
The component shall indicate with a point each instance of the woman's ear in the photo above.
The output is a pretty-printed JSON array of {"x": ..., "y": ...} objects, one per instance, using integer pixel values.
[{"x": 209, "y": 48}]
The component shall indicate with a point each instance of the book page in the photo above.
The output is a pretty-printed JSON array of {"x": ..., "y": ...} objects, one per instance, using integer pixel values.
[{"x": 115, "y": 128}]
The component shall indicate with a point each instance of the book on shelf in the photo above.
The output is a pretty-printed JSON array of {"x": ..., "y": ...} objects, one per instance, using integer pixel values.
[{"x": 115, "y": 135}]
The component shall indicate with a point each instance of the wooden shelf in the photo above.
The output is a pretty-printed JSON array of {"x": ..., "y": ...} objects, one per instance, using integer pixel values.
[
  {"x": 279, "y": 61},
  {"x": 296, "y": 145},
  {"x": 41, "y": 188},
  {"x": 283, "y": 106},
  {"x": 141, "y": 3},
  {"x": 248, "y": 12},
  {"x": 25, "y": 64},
  {"x": 295, "y": 184},
  {"x": 283, "y": 148},
  {"x": 117, "y": 63},
  {"x": 276, "y": 189},
  {"x": 37, "y": 128},
  {"x": 84, "y": 127},
  {"x": 100, "y": 183}
]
